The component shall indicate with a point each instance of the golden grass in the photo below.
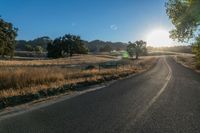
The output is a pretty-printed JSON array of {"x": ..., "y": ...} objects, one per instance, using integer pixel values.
[
  {"x": 79, "y": 59},
  {"x": 26, "y": 77},
  {"x": 16, "y": 81},
  {"x": 186, "y": 60}
]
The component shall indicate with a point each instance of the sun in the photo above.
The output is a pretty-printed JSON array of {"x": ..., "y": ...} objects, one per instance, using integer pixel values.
[{"x": 159, "y": 38}]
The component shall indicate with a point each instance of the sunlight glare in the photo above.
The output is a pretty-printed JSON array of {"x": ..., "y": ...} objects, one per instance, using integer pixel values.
[{"x": 159, "y": 38}]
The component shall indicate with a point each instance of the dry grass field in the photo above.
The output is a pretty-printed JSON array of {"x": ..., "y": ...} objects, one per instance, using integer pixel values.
[
  {"x": 187, "y": 60},
  {"x": 19, "y": 78},
  {"x": 75, "y": 60}
]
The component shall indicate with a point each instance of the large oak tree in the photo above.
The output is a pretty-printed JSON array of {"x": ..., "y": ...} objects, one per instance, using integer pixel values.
[
  {"x": 7, "y": 38},
  {"x": 137, "y": 48},
  {"x": 66, "y": 46}
]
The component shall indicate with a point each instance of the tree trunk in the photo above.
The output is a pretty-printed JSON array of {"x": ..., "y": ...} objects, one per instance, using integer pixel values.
[
  {"x": 11, "y": 56},
  {"x": 136, "y": 56},
  {"x": 2, "y": 53},
  {"x": 71, "y": 54}
]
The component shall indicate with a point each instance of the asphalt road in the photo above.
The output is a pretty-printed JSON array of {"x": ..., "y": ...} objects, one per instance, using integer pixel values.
[{"x": 166, "y": 99}]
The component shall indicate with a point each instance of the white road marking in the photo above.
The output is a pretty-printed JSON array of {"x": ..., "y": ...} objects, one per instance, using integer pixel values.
[{"x": 153, "y": 100}]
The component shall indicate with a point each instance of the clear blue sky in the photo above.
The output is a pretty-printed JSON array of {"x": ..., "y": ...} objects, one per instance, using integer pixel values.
[{"x": 109, "y": 20}]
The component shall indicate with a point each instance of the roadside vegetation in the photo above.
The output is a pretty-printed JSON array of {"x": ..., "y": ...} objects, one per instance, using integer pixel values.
[
  {"x": 196, "y": 50},
  {"x": 185, "y": 15},
  {"x": 187, "y": 60},
  {"x": 75, "y": 60},
  {"x": 66, "y": 67},
  {"x": 23, "y": 84}
]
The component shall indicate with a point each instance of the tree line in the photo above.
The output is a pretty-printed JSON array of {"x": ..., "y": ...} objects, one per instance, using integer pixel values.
[
  {"x": 37, "y": 45},
  {"x": 65, "y": 46}
]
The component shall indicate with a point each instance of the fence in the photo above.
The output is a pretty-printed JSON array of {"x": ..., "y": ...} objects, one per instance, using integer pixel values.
[{"x": 113, "y": 64}]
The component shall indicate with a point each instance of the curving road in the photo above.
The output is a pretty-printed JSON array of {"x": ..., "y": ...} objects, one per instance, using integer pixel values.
[{"x": 166, "y": 99}]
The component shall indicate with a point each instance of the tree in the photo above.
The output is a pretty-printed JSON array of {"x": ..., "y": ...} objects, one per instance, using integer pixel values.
[
  {"x": 66, "y": 46},
  {"x": 41, "y": 41},
  {"x": 28, "y": 47},
  {"x": 38, "y": 49},
  {"x": 131, "y": 49},
  {"x": 106, "y": 48},
  {"x": 137, "y": 48},
  {"x": 185, "y": 15},
  {"x": 55, "y": 49},
  {"x": 74, "y": 45},
  {"x": 7, "y": 38},
  {"x": 196, "y": 50}
]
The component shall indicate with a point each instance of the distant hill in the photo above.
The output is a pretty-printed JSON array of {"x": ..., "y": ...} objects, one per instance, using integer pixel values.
[
  {"x": 97, "y": 45},
  {"x": 23, "y": 45},
  {"x": 93, "y": 46}
]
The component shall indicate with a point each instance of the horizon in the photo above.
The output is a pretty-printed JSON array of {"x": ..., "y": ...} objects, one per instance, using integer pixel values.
[
  {"x": 174, "y": 45},
  {"x": 115, "y": 21}
]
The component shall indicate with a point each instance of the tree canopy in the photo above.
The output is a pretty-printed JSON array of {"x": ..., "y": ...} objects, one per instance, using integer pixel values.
[
  {"x": 185, "y": 16},
  {"x": 7, "y": 38},
  {"x": 137, "y": 48},
  {"x": 66, "y": 46}
]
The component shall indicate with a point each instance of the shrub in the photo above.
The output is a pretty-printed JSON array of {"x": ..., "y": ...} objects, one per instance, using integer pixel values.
[{"x": 90, "y": 67}]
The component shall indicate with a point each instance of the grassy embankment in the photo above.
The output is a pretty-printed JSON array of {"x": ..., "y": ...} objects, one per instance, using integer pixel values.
[
  {"x": 24, "y": 81},
  {"x": 187, "y": 60}
]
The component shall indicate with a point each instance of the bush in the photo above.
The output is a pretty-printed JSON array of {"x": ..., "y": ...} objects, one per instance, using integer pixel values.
[
  {"x": 90, "y": 67},
  {"x": 198, "y": 64}
]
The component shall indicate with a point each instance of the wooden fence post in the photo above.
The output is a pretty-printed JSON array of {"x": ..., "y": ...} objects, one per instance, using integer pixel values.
[{"x": 99, "y": 67}]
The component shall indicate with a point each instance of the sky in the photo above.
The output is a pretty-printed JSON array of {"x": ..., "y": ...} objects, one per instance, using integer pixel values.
[{"x": 108, "y": 20}]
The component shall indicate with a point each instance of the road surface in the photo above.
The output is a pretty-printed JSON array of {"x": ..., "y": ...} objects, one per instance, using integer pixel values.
[{"x": 166, "y": 99}]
